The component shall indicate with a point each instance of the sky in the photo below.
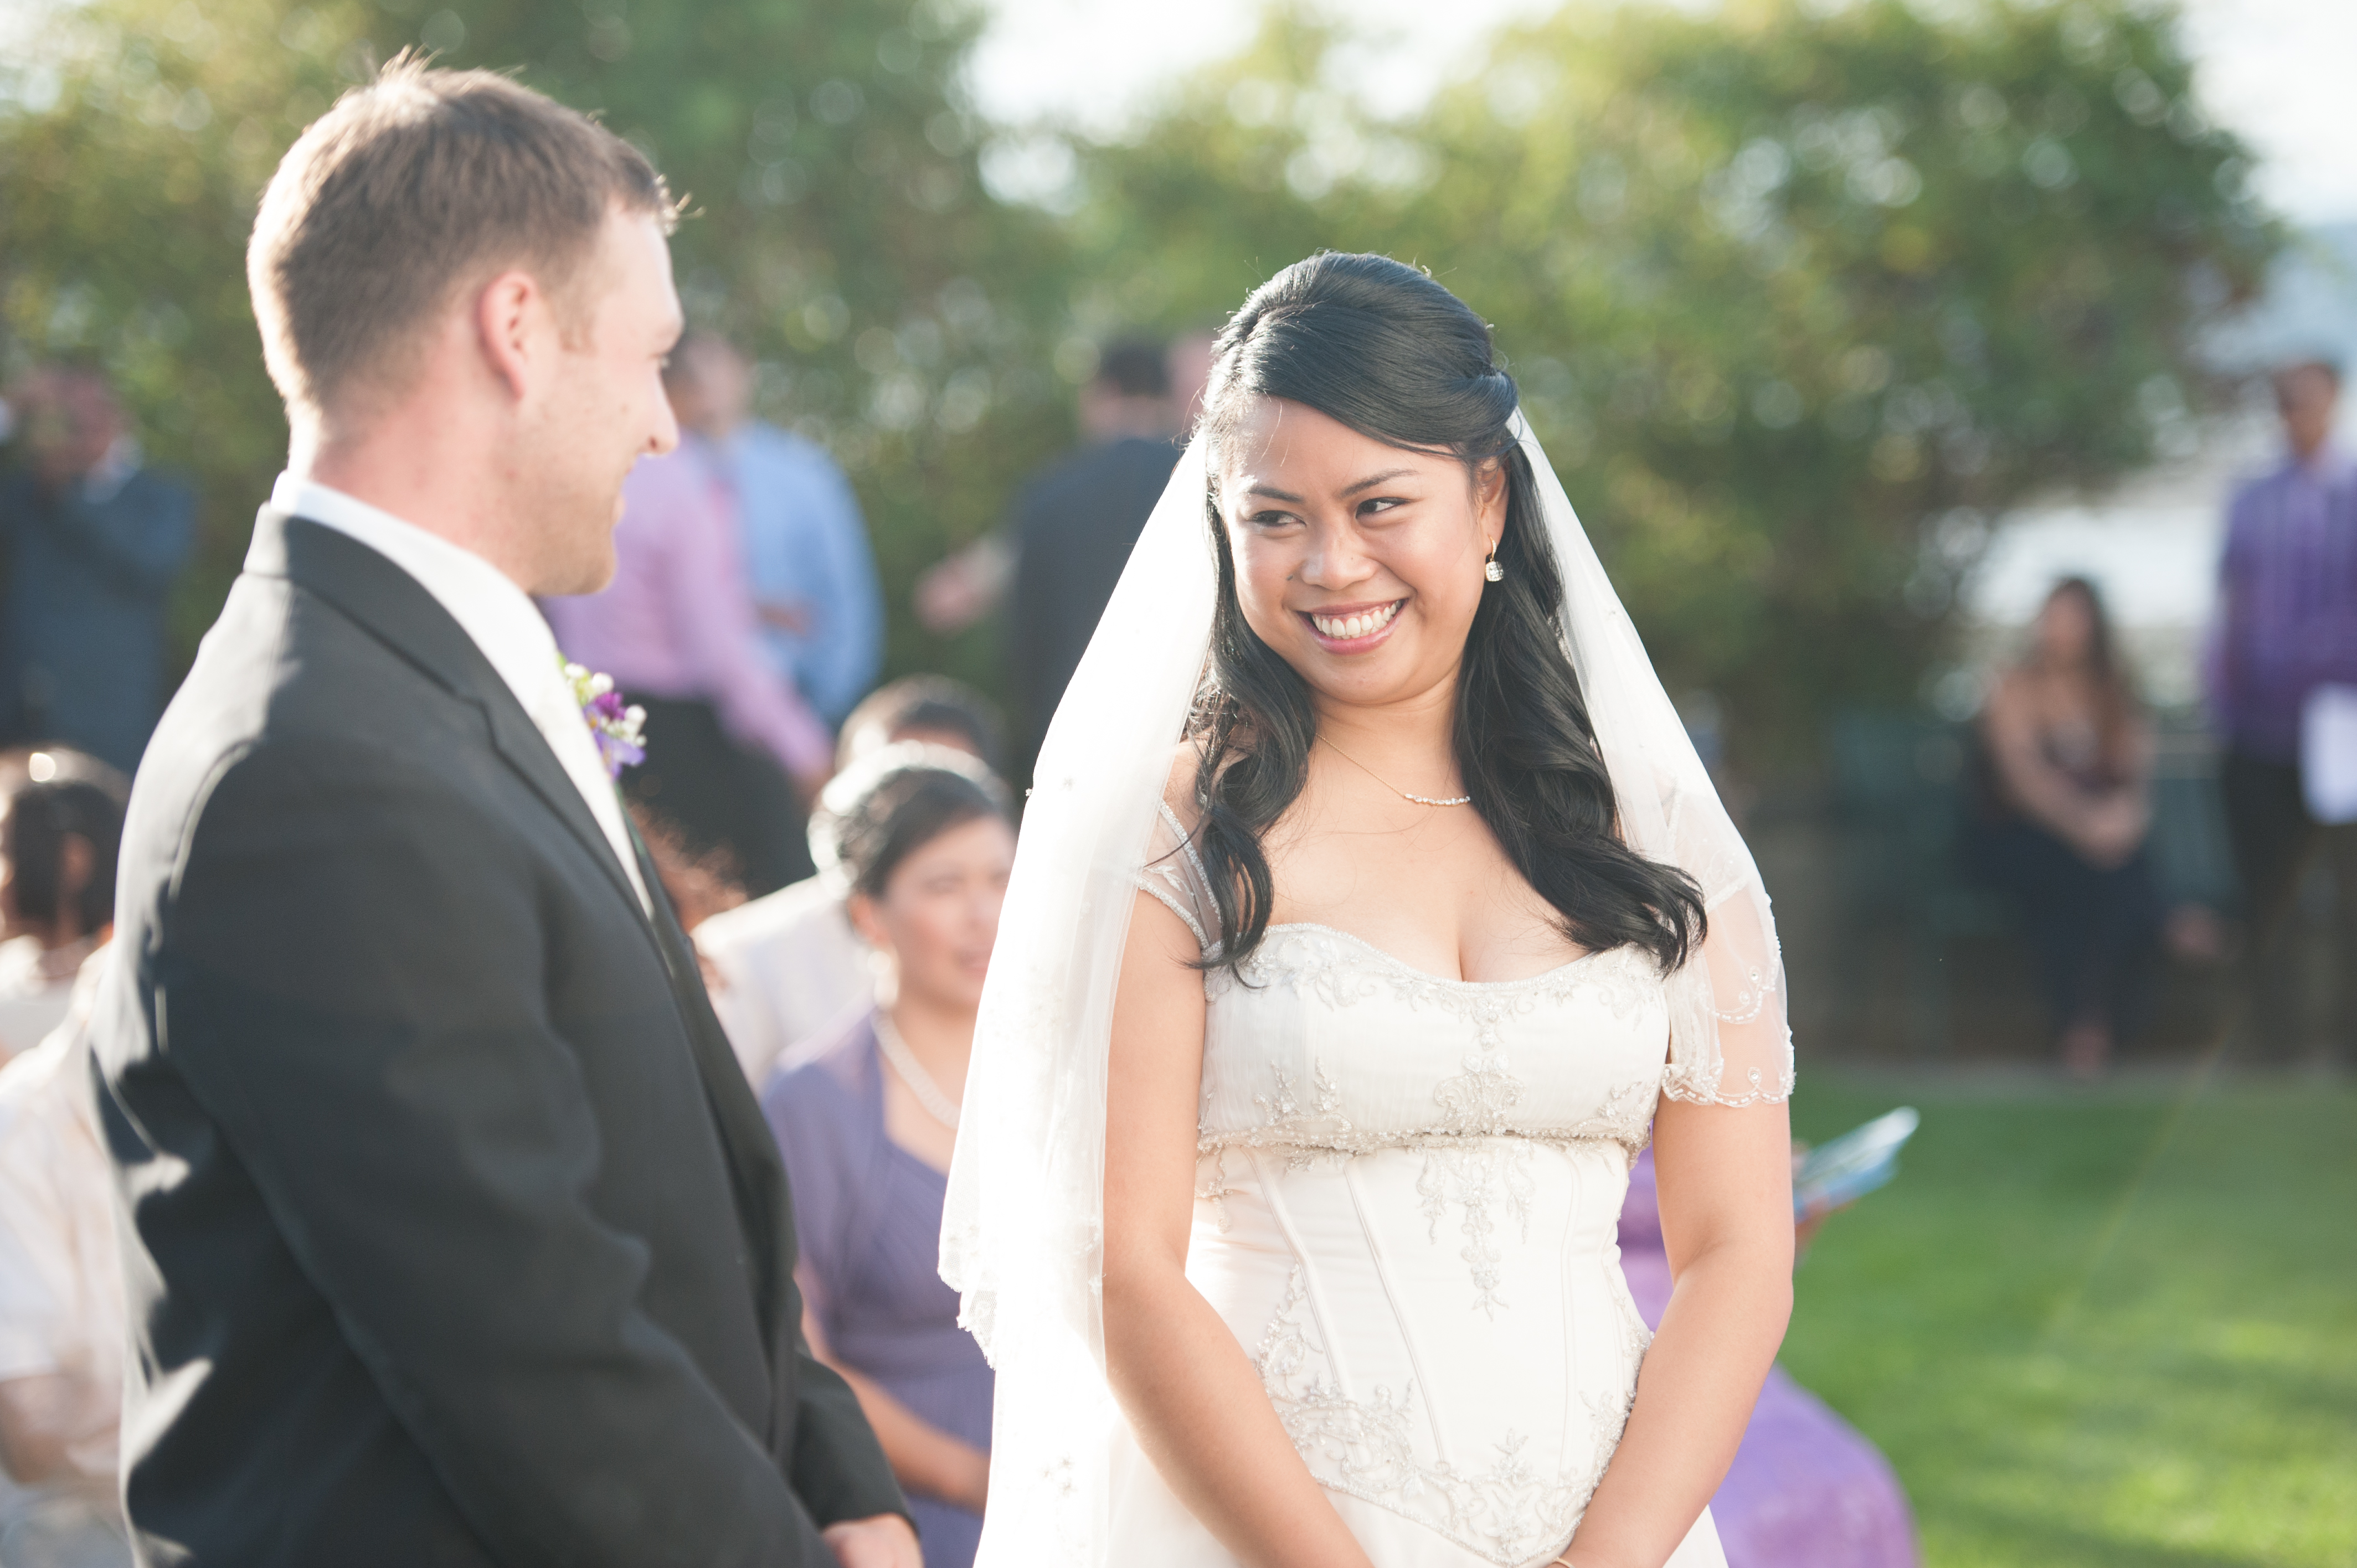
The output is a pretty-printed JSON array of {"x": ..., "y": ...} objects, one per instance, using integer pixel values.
[{"x": 2276, "y": 70}]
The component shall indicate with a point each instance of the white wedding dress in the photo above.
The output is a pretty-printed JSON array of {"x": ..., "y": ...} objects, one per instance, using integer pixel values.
[
  {"x": 1408, "y": 1185},
  {"x": 1406, "y": 1206}
]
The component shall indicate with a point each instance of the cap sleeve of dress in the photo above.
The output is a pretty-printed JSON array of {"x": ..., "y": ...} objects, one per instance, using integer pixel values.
[
  {"x": 1172, "y": 873},
  {"x": 1729, "y": 1041}
]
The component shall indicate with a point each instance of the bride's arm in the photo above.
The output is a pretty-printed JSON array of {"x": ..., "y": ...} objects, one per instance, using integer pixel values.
[
  {"x": 1726, "y": 1177},
  {"x": 1190, "y": 1391}
]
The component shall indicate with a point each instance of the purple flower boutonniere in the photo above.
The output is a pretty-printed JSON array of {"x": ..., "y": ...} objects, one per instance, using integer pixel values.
[{"x": 614, "y": 728}]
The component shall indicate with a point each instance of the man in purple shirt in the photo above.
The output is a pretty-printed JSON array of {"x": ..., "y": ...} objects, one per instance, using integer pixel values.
[
  {"x": 2288, "y": 623},
  {"x": 679, "y": 633}
]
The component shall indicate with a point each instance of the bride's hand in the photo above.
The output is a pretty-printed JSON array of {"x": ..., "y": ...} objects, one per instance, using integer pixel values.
[{"x": 885, "y": 1540}]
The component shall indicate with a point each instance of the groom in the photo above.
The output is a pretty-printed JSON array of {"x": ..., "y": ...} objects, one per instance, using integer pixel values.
[{"x": 452, "y": 1233}]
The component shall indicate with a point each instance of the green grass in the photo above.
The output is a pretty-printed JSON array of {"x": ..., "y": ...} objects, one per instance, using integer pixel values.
[{"x": 2104, "y": 1327}]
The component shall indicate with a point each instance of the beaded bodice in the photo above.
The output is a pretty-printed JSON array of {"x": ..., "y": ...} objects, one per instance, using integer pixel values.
[{"x": 1407, "y": 1188}]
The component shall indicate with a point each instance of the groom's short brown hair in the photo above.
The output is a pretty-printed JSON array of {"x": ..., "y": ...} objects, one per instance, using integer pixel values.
[{"x": 417, "y": 185}]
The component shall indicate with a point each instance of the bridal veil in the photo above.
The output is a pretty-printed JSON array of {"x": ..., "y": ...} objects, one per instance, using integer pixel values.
[{"x": 1022, "y": 1232}]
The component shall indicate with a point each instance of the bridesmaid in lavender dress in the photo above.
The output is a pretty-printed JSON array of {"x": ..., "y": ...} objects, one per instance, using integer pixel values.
[
  {"x": 867, "y": 1124},
  {"x": 1806, "y": 1490}
]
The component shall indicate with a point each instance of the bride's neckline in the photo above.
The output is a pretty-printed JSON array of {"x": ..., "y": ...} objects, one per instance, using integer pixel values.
[{"x": 1406, "y": 968}]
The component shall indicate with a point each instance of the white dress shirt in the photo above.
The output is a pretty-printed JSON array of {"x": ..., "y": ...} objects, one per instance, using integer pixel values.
[{"x": 505, "y": 625}]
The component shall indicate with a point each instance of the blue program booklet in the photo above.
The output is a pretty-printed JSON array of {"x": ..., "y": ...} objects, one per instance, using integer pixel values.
[{"x": 1852, "y": 1165}]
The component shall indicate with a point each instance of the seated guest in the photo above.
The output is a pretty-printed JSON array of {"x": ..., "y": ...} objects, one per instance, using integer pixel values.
[
  {"x": 60, "y": 825},
  {"x": 95, "y": 539},
  {"x": 788, "y": 970},
  {"x": 61, "y": 1312},
  {"x": 931, "y": 708},
  {"x": 869, "y": 1123},
  {"x": 2061, "y": 823},
  {"x": 1806, "y": 1490}
]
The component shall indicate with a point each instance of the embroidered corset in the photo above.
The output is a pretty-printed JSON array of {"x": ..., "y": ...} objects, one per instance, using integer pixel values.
[{"x": 1409, "y": 1191}]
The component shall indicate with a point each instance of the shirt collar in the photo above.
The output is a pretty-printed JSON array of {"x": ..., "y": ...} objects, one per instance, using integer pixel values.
[{"x": 489, "y": 606}]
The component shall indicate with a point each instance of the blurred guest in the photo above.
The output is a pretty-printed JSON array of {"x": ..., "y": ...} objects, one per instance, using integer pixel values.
[
  {"x": 957, "y": 592},
  {"x": 95, "y": 539},
  {"x": 678, "y": 633},
  {"x": 930, "y": 708},
  {"x": 868, "y": 1124},
  {"x": 1190, "y": 372},
  {"x": 788, "y": 970},
  {"x": 2064, "y": 807},
  {"x": 698, "y": 886},
  {"x": 60, "y": 827},
  {"x": 2288, "y": 625},
  {"x": 1074, "y": 525},
  {"x": 62, "y": 1324},
  {"x": 1806, "y": 1490},
  {"x": 806, "y": 556}
]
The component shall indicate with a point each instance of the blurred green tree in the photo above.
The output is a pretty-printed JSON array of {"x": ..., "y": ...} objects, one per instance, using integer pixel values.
[
  {"x": 836, "y": 226},
  {"x": 1798, "y": 296}
]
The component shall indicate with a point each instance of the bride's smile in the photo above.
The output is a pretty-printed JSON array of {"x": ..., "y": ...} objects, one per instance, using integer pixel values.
[
  {"x": 1358, "y": 562},
  {"x": 1352, "y": 629}
]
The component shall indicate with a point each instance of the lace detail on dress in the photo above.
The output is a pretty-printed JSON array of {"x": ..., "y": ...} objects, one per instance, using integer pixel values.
[
  {"x": 1506, "y": 1512},
  {"x": 1174, "y": 875},
  {"x": 1476, "y": 1103}
]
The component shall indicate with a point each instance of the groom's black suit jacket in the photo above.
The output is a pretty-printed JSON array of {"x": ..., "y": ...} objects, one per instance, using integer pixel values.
[{"x": 454, "y": 1236}]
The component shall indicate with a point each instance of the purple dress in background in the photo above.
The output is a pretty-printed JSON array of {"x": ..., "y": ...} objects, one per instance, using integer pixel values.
[
  {"x": 1806, "y": 1490},
  {"x": 869, "y": 1215}
]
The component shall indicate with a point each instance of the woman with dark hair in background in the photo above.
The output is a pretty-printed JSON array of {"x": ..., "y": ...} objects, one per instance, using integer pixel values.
[
  {"x": 60, "y": 827},
  {"x": 2063, "y": 813},
  {"x": 922, "y": 837},
  {"x": 1317, "y": 1051},
  {"x": 787, "y": 971}
]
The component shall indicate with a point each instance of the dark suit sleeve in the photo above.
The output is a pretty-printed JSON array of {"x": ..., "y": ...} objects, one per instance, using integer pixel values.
[
  {"x": 838, "y": 1469},
  {"x": 351, "y": 979}
]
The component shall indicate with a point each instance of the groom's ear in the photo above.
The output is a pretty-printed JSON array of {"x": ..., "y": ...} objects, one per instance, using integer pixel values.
[{"x": 515, "y": 330}]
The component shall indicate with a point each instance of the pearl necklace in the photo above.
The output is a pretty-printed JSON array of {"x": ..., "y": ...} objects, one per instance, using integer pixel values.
[
  {"x": 912, "y": 1072},
  {"x": 1420, "y": 799}
]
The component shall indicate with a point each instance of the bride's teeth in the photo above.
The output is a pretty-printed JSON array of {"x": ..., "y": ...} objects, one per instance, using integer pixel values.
[{"x": 1350, "y": 627}]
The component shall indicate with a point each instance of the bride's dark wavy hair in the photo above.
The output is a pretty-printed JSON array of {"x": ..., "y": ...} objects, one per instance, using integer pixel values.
[{"x": 1382, "y": 347}]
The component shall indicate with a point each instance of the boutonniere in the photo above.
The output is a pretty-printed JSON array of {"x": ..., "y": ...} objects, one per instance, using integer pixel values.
[{"x": 616, "y": 728}]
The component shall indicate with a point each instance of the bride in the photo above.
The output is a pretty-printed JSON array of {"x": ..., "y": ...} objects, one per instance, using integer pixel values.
[{"x": 1311, "y": 1066}]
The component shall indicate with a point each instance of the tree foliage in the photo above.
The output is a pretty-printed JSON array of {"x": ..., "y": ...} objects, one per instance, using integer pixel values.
[
  {"x": 836, "y": 226},
  {"x": 1798, "y": 296}
]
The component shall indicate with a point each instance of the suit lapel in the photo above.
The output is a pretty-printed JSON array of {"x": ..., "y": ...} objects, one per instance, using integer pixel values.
[
  {"x": 401, "y": 614},
  {"x": 755, "y": 1165}
]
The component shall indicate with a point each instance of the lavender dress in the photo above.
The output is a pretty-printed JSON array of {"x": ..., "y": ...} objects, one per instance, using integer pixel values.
[
  {"x": 1806, "y": 1490},
  {"x": 869, "y": 1214}
]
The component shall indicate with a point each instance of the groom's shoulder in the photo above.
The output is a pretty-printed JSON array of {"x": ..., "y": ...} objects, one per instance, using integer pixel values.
[{"x": 288, "y": 682}]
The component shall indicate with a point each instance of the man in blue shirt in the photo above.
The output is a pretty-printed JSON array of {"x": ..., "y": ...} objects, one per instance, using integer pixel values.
[
  {"x": 94, "y": 540},
  {"x": 806, "y": 553}
]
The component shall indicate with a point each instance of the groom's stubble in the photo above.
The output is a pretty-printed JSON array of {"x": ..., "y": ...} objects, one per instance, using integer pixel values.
[{"x": 602, "y": 410}]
